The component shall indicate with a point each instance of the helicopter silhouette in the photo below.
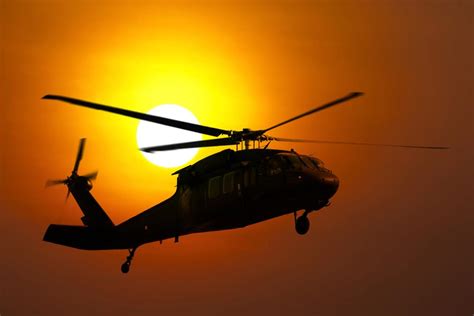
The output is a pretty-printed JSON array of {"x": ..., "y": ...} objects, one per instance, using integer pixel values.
[{"x": 227, "y": 190}]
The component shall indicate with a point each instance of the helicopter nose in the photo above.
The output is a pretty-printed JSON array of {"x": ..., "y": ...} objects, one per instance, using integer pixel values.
[{"x": 329, "y": 184}]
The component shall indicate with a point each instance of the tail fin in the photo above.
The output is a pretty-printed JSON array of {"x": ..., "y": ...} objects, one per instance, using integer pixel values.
[
  {"x": 79, "y": 186},
  {"x": 94, "y": 214}
]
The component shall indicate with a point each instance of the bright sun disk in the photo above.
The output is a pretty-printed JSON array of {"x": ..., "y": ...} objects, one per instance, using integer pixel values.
[{"x": 152, "y": 134}]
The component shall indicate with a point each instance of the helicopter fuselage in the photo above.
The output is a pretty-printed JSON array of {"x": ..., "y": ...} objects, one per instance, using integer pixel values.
[
  {"x": 228, "y": 190},
  {"x": 233, "y": 189}
]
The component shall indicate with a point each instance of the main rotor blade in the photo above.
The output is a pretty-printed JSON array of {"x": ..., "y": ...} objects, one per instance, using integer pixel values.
[
  {"x": 200, "y": 143},
  {"x": 292, "y": 140},
  {"x": 80, "y": 152},
  {"x": 142, "y": 116},
  {"x": 319, "y": 108}
]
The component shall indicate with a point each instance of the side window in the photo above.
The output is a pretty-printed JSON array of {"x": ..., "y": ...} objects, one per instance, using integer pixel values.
[
  {"x": 229, "y": 182},
  {"x": 274, "y": 166},
  {"x": 214, "y": 189},
  {"x": 253, "y": 176},
  {"x": 249, "y": 177}
]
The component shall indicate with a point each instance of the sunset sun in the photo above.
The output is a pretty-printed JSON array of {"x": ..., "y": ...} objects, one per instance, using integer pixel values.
[{"x": 151, "y": 134}]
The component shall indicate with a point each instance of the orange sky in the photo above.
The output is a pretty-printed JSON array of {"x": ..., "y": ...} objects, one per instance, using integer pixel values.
[{"x": 395, "y": 239}]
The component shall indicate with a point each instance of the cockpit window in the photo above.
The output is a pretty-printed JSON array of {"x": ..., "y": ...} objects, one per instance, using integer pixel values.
[
  {"x": 308, "y": 162},
  {"x": 293, "y": 161},
  {"x": 298, "y": 161},
  {"x": 275, "y": 165},
  {"x": 317, "y": 162}
]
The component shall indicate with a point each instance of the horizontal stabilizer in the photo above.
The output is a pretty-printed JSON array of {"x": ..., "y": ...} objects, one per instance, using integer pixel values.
[{"x": 86, "y": 238}]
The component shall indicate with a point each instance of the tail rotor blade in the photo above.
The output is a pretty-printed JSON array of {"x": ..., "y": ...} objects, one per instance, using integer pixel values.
[
  {"x": 75, "y": 180},
  {"x": 80, "y": 152},
  {"x": 91, "y": 176},
  {"x": 54, "y": 182}
]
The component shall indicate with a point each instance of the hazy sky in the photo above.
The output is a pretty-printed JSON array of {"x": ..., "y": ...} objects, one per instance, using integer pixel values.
[{"x": 397, "y": 237}]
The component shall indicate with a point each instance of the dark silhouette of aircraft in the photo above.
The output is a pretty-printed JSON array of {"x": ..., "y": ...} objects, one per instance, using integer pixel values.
[{"x": 227, "y": 190}]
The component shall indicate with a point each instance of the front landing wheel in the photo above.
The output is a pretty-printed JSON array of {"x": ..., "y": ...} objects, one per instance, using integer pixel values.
[{"x": 302, "y": 225}]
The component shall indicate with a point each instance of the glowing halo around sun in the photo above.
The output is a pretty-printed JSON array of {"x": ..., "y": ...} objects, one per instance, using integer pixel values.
[{"x": 152, "y": 134}]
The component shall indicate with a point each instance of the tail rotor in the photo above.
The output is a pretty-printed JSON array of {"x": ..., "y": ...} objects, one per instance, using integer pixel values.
[{"x": 74, "y": 178}]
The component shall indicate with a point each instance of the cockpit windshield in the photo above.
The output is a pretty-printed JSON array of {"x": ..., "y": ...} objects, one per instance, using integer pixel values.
[
  {"x": 287, "y": 161},
  {"x": 298, "y": 161},
  {"x": 317, "y": 162},
  {"x": 308, "y": 162},
  {"x": 312, "y": 162}
]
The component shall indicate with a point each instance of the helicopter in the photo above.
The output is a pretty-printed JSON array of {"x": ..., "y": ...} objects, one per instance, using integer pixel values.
[{"x": 227, "y": 190}]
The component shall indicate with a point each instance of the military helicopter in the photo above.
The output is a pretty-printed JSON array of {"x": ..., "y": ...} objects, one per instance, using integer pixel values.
[{"x": 227, "y": 190}]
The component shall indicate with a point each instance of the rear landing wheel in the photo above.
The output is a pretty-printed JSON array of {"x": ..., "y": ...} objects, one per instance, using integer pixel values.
[
  {"x": 125, "y": 267},
  {"x": 302, "y": 224}
]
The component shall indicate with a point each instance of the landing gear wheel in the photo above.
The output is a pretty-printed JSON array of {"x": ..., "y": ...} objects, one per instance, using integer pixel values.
[
  {"x": 125, "y": 267},
  {"x": 302, "y": 225}
]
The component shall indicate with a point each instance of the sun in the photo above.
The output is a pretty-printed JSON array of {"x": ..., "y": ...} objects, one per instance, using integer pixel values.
[{"x": 152, "y": 134}]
